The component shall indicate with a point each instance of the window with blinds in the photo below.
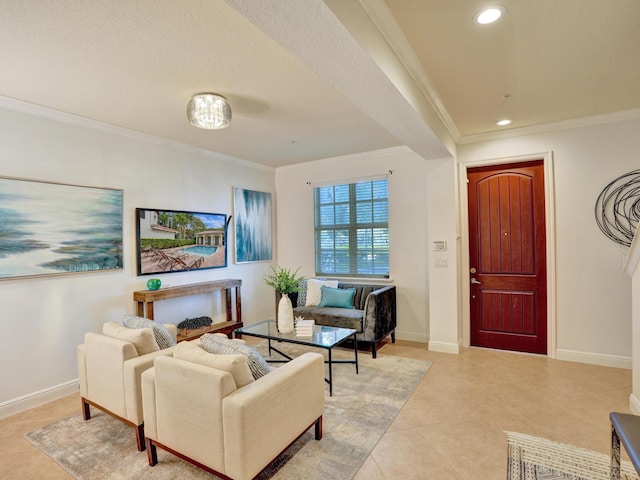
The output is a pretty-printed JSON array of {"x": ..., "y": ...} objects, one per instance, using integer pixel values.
[{"x": 352, "y": 229}]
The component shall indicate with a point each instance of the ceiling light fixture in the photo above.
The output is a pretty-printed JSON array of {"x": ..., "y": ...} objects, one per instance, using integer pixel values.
[
  {"x": 489, "y": 15},
  {"x": 209, "y": 111},
  {"x": 504, "y": 122}
]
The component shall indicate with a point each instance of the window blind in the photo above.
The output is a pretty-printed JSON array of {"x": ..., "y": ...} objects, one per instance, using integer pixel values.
[{"x": 352, "y": 229}]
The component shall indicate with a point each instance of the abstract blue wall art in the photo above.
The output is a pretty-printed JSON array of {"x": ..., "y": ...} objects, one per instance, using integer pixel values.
[
  {"x": 252, "y": 214},
  {"x": 51, "y": 228}
]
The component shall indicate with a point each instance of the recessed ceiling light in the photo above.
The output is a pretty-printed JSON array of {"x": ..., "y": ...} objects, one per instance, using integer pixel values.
[
  {"x": 504, "y": 122},
  {"x": 489, "y": 15}
]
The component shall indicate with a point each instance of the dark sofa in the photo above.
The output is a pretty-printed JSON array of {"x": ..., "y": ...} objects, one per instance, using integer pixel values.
[{"x": 373, "y": 315}]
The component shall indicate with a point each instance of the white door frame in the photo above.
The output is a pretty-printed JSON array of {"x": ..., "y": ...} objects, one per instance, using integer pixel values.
[{"x": 550, "y": 208}]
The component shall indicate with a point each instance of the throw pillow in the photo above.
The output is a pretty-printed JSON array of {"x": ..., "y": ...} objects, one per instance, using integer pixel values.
[
  {"x": 302, "y": 293},
  {"x": 164, "y": 339},
  {"x": 220, "y": 345},
  {"x": 236, "y": 365},
  {"x": 337, "y": 297},
  {"x": 142, "y": 338},
  {"x": 314, "y": 294}
]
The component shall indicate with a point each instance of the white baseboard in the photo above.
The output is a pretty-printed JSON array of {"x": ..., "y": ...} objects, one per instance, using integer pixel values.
[
  {"x": 634, "y": 404},
  {"x": 444, "y": 347},
  {"x": 11, "y": 407},
  {"x": 412, "y": 337},
  {"x": 594, "y": 358}
]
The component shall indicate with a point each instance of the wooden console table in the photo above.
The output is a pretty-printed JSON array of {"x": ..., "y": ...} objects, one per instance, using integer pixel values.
[{"x": 145, "y": 303}]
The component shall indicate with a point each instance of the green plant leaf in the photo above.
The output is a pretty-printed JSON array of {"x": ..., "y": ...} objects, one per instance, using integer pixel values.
[{"x": 284, "y": 280}]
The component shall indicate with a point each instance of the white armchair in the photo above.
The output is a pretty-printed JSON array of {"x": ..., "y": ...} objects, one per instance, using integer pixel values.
[
  {"x": 110, "y": 366},
  {"x": 197, "y": 413}
]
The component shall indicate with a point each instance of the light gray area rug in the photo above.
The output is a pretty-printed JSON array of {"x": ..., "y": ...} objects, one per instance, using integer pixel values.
[
  {"x": 361, "y": 409},
  {"x": 534, "y": 458}
]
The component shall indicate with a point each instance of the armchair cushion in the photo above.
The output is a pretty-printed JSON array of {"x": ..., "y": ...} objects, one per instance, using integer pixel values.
[
  {"x": 163, "y": 336},
  {"x": 142, "y": 338},
  {"x": 223, "y": 346},
  {"x": 236, "y": 365}
]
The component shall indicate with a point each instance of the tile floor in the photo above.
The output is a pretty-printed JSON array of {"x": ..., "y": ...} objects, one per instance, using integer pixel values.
[{"x": 451, "y": 428}]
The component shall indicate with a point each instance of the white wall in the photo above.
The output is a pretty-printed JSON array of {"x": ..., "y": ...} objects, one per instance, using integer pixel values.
[
  {"x": 593, "y": 293},
  {"x": 444, "y": 321},
  {"x": 631, "y": 268},
  {"x": 408, "y": 232},
  {"x": 44, "y": 318}
]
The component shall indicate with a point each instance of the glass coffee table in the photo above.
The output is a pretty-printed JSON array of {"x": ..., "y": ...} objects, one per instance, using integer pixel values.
[{"x": 323, "y": 337}]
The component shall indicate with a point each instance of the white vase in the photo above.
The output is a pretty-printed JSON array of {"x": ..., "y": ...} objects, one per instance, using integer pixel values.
[{"x": 285, "y": 315}]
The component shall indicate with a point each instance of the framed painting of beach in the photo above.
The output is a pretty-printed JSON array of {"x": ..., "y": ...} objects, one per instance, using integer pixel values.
[
  {"x": 252, "y": 220},
  {"x": 53, "y": 228},
  {"x": 178, "y": 241}
]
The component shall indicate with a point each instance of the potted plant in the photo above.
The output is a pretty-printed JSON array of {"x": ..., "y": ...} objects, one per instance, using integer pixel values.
[{"x": 284, "y": 281}]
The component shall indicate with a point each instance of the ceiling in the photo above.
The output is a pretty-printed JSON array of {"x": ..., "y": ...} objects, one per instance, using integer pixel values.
[{"x": 312, "y": 79}]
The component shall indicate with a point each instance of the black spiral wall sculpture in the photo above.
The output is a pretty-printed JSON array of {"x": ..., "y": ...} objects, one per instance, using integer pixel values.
[{"x": 618, "y": 208}]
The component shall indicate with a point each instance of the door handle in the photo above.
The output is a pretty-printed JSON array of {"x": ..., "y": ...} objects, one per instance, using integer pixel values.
[{"x": 475, "y": 282}]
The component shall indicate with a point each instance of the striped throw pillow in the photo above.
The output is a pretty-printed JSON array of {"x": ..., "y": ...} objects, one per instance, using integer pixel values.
[{"x": 222, "y": 345}]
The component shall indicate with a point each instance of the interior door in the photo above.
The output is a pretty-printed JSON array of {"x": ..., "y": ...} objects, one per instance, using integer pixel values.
[{"x": 507, "y": 257}]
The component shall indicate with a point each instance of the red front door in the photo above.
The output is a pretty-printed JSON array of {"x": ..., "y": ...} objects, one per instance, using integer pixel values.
[{"x": 507, "y": 257}]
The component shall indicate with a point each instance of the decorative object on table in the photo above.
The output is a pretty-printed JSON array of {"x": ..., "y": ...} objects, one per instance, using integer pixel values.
[
  {"x": 304, "y": 328},
  {"x": 197, "y": 322},
  {"x": 252, "y": 211},
  {"x": 154, "y": 283},
  {"x": 284, "y": 281},
  {"x": 618, "y": 208},
  {"x": 535, "y": 458},
  {"x": 179, "y": 241},
  {"x": 52, "y": 228}
]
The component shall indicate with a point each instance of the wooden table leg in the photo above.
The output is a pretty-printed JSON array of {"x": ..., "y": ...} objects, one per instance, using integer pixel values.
[
  {"x": 227, "y": 297},
  {"x": 238, "y": 306}
]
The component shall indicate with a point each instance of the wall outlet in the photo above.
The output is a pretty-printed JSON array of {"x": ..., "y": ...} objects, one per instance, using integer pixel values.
[{"x": 442, "y": 263}]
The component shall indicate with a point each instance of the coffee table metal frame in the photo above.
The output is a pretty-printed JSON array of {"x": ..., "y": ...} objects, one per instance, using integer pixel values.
[{"x": 323, "y": 337}]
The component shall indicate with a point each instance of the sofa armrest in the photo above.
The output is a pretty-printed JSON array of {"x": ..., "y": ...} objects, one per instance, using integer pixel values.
[
  {"x": 183, "y": 408},
  {"x": 148, "y": 386},
  {"x": 133, "y": 370},
  {"x": 380, "y": 313},
  {"x": 82, "y": 370},
  {"x": 263, "y": 418},
  {"x": 101, "y": 370}
]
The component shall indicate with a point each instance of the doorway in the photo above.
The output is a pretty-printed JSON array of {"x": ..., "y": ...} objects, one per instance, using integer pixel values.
[{"x": 507, "y": 257}]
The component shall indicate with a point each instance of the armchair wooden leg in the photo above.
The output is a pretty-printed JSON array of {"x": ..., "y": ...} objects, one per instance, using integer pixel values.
[
  {"x": 86, "y": 409},
  {"x": 393, "y": 336},
  {"x": 140, "y": 437},
  {"x": 374, "y": 350},
  {"x": 318, "y": 428},
  {"x": 152, "y": 453}
]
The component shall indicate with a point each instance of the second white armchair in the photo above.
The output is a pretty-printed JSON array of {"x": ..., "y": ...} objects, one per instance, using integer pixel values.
[{"x": 198, "y": 413}]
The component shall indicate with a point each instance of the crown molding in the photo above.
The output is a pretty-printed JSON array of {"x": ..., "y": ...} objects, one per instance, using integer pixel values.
[
  {"x": 382, "y": 153},
  {"x": 77, "y": 120},
  {"x": 551, "y": 127},
  {"x": 385, "y": 22}
]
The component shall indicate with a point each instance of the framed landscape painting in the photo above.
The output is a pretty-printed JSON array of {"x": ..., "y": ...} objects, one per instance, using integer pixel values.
[
  {"x": 252, "y": 213},
  {"x": 53, "y": 228},
  {"x": 179, "y": 241}
]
